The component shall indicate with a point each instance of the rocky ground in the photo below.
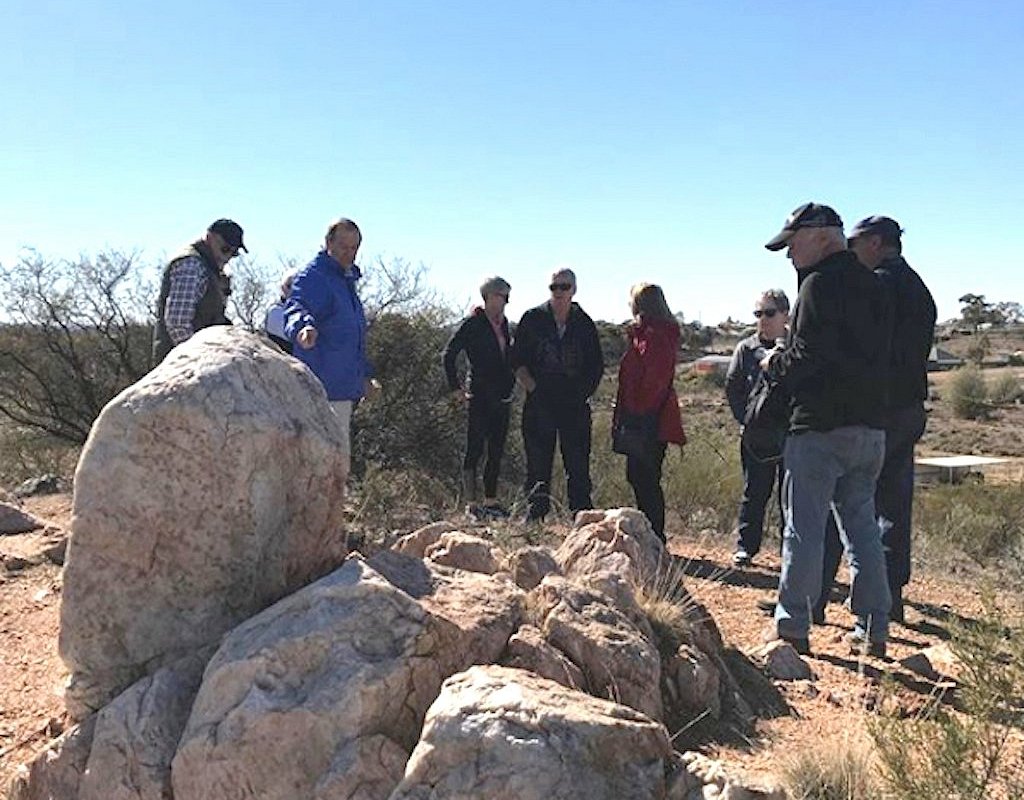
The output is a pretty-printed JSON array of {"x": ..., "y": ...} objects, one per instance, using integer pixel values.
[{"x": 829, "y": 707}]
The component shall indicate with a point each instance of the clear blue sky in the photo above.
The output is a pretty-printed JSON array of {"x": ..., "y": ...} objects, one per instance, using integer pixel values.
[{"x": 661, "y": 141}]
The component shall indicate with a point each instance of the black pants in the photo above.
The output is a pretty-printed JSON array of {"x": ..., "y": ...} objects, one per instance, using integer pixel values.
[
  {"x": 759, "y": 479},
  {"x": 644, "y": 475},
  {"x": 487, "y": 430},
  {"x": 894, "y": 498},
  {"x": 544, "y": 423}
]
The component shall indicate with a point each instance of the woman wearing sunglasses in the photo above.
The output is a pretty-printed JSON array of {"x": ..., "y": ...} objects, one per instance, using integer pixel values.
[
  {"x": 646, "y": 398},
  {"x": 771, "y": 312}
]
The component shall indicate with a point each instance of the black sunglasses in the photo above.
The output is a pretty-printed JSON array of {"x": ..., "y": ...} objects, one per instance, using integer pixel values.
[
  {"x": 228, "y": 251},
  {"x": 560, "y": 287},
  {"x": 766, "y": 312}
]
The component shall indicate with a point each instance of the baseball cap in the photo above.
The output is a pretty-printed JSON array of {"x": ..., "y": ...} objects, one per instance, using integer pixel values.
[
  {"x": 886, "y": 227},
  {"x": 809, "y": 215},
  {"x": 230, "y": 231}
]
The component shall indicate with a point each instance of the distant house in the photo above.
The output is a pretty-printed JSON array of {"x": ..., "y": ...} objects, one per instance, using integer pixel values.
[{"x": 939, "y": 359}]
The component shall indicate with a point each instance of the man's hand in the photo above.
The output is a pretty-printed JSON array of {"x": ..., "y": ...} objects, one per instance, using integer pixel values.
[
  {"x": 526, "y": 379},
  {"x": 370, "y": 386},
  {"x": 306, "y": 338}
]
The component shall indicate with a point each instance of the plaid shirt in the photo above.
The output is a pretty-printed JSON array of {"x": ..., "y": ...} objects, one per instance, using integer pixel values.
[{"x": 188, "y": 283}]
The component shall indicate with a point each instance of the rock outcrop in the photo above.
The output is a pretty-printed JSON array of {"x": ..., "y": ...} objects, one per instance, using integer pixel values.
[
  {"x": 205, "y": 492},
  {"x": 507, "y": 734}
]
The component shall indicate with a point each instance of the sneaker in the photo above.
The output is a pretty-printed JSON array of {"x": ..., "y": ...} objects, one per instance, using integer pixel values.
[
  {"x": 741, "y": 558},
  {"x": 860, "y": 646}
]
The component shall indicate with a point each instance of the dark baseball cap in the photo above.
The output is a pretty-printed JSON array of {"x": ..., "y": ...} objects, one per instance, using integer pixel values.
[
  {"x": 886, "y": 227},
  {"x": 809, "y": 215},
  {"x": 230, "y": 231}
]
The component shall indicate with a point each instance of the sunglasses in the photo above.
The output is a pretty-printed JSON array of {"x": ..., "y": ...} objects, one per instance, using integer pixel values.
[
  {"x": 228, "y": 252},
  {"x": 765, "y": 312},
  {"x": 560, "y": 287}
]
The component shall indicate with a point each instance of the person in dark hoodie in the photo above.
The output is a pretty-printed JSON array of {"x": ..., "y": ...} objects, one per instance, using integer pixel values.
[
  {"x": 833, "y": 366},
  {"x": 556, "y": 355},
  {"x": 488, "y": 390},
  {"x": 194, "y": 289},
  {"x": 646, "y": 375}
]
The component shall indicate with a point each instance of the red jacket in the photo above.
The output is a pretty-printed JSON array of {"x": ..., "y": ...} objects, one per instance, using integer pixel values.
[{"x": 646, "y": 373}]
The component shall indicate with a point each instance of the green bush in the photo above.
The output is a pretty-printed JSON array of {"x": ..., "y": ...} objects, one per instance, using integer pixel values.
[{"x": 968, "y": 394}]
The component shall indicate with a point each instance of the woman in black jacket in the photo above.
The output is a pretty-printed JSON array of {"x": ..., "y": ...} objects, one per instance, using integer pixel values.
[{"x": 484, "y": 336}]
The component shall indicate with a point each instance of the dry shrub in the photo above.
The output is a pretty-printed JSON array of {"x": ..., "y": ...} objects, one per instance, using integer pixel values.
[
  {"x": 832, "y": 771},
  {"x": 963, "y": 751},
  {"x": 1006, "y": 390}
]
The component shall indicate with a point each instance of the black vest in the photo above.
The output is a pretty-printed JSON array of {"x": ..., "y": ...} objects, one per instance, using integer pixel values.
[{"x": 210, "y": 308}]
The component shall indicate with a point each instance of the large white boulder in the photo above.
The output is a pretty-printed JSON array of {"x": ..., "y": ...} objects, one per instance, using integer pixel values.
[
  {"x": 206, "y": 491},
  {"x": 325, "y": 688},
  {"x": 507, "y": 734}
]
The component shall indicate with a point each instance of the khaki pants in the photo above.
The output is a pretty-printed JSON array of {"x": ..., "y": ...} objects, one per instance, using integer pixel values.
[{"x": 343, "y": 411}]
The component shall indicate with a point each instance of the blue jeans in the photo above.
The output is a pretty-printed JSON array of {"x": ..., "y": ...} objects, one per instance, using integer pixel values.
[
  {"x": 894, "y": 498},
  {"x": 839, "y": 466}
]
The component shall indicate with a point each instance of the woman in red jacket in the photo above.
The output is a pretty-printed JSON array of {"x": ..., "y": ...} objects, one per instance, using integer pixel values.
[{"x": 646, "y": 373}]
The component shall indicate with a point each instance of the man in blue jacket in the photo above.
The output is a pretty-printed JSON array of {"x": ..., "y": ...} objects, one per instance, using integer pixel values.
[{"x": 324, "y": 317}]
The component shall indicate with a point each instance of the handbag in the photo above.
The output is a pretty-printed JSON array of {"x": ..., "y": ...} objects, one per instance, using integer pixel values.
[
  {"x": 766, "y": 421},
  {"x": 635, "y": 434}
]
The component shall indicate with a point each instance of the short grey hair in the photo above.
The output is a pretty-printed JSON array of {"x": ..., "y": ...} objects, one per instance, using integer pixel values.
[
  {"x": 494, "y": 285},
  {"x": 778, "y": 297},
  {"x": 566, "y": 272}
]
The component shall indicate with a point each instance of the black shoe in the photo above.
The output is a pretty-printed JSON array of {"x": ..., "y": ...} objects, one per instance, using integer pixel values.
[
  {"x": 799, "y": 643},
  {"x": 767, "y": 606},
  {"x": 860, "y": 646},
  {"x": 495, "y": 511}
]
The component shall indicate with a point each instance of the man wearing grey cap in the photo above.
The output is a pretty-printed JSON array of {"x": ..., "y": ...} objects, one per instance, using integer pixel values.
[
  {"x": 877, "y": 243},
  {"x": 194, "y": 289},
  {"x": 833, "y": 365},
  {"x": 484, "y": 336}
]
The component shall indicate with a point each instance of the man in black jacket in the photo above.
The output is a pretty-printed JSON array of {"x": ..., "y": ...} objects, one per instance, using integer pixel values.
[
  {"x": 833, "y": 366},
  {"x": 557, "y": 357},
  {"x": 877, "y": 243},
  {"x": 484, "y": 336}
]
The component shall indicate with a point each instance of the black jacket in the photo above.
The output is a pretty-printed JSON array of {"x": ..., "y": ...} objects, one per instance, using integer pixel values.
[
  {"x": 567, "y": 369},
  {"x": 743, "y": 372},
  {"x": 490, "y": 371},
  {"x": 913, "y": 332},
  {"x": 836, "y": 358}
]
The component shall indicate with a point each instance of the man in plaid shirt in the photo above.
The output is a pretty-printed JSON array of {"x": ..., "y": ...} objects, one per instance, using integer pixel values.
[{"x": 194, "y": 289}]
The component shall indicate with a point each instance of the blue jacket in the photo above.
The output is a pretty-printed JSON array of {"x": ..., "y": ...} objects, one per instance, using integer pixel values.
[{"x": 325, "y": 298}]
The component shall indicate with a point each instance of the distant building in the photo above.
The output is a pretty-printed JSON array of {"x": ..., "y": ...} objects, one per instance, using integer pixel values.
[{"x": 939, "y": 359}]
